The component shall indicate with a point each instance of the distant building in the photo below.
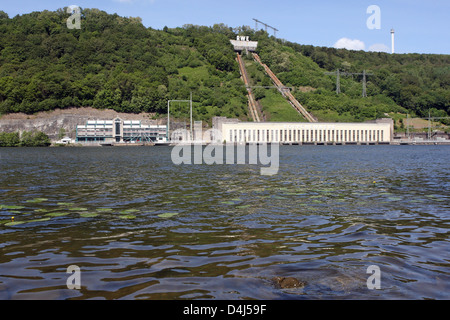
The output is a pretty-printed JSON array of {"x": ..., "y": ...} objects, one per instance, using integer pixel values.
[
  {"x": 120, "y": 131},
  {"x": 65, "y": 140},
  {"x": 380, "y": 131},
  {"x": 244, "y": 44}
]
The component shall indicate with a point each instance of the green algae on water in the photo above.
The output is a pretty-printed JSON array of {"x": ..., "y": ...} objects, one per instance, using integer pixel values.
[
  {"x": 228, "y": 202},
  {"x": 78, "y": 209},
  {"x": 57, "y": 214},
  {"x": 167, "y": 214},
  {"x": 8, "y": 207},
  {"x": 88, "y": 215},
  {"x": 127, "y": 216},
  {"x": 128, "y": 211},
  {"x": 66, "y": 204},
  {"x": 37, "y": 200},
  {"x": 38, "y": 220},
  {"x": 14, "y": 223}
]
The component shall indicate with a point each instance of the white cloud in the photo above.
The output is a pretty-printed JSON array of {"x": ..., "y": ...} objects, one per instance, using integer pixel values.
[
  {"x": 379, "y": 47},
  {"x": 346, "y": 43}
]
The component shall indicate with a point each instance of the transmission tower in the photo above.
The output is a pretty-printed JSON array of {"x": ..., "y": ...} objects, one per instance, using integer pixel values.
[
  {"x": 339, "y": 73},
  {"x": 266, "y": 26},
  {"x": 364, "y": 81},
  {"x": 338, "y": 79}
]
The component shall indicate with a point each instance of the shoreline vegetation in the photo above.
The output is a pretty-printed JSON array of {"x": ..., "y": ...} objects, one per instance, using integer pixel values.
[{"x": 24, "y": 139}]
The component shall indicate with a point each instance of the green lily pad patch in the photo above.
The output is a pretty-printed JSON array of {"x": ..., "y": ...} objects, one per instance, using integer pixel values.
[
  {"x": 228, "y": 202},
  {"x": 128, "y": 211},
  {"x": 78, "y": 209},
  {"x": 127, "y": 216},
  {"x": 37, "y": 200},
  {"x": 64, "y": 204},
  {"x": 57, "y": 214},
  {"x": 38, "y": 220},
  {"x": 168, "y": 214},
  {"x": 3, "y": 206},
  {"x": 14, "y": 223},
  {"x": 88, "y": 215},
  {"x": 104, "y": 209}
]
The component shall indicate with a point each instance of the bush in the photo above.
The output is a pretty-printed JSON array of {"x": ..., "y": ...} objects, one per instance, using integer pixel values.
[
  {"x": 9, "y": 139},
  {"x": 34, "y": 139},
  {"x": 259, "y": 93},
  {"x": 28, "y": 139}
]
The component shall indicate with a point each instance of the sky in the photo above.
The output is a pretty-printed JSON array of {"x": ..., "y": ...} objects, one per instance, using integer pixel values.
[{"x": 421, "y": 26}]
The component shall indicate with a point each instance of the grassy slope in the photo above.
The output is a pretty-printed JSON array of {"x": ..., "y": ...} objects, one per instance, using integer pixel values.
[{"x": 275, "y": 107}]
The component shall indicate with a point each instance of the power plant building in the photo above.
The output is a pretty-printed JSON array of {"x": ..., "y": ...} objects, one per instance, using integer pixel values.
[
  {"x": 120, "y": 131},
  {"x": 380, "y": 131}
]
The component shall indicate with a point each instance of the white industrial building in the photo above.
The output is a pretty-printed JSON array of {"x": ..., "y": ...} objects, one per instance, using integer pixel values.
[
  {"x": 120, "y": 131},
  {"x": 380, "y": 131}
]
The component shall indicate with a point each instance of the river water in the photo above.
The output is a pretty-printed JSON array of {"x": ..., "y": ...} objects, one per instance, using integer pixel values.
[{"x": 140, "y": 227}]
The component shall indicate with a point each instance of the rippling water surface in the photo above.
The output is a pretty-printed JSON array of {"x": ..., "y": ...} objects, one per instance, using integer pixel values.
[{"x": 140, "y": 227}]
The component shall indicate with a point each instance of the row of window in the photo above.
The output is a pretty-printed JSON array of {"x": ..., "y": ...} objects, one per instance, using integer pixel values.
[
  {"x": 140, "y": 134},
  {"x": 125, "y": 139},
  {"x": 92, "y": 132},
  {"x": 146, "y": 130},
  {"x": 106, "y": 132},
  {"x": 305, "y": 135},
  {"x": 91, "y": 139}
]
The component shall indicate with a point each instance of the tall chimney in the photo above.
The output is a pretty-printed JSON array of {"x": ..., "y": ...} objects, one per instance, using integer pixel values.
[{"x": 392, "y": 40}]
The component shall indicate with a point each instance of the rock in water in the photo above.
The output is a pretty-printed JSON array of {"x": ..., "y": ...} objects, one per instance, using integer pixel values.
[{"x": 288, "y": 283}]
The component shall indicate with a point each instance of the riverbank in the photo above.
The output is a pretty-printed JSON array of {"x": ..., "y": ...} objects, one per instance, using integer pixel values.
[{"x": 52, "y": 122}]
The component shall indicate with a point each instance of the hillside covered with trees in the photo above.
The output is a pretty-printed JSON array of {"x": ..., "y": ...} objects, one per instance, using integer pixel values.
[{"x": 116, "y": 63}]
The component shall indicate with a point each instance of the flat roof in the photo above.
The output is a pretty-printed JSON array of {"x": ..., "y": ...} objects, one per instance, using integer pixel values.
[{"x": 304, "y": 123}]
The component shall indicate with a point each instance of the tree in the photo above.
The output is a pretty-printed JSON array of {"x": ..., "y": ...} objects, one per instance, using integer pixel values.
[
  {"x": 259, "y": 93},
  {"x": 108, "y": 99},
  {"x": 9, "y": 139},
  {"x": 61, "y": 133},
  {"x": 3, "y": 15},
  {"x": 34, "y": 139}
]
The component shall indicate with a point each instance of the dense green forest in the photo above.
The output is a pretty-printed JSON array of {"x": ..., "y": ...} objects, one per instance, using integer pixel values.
[{"x": 114, "y": 62}]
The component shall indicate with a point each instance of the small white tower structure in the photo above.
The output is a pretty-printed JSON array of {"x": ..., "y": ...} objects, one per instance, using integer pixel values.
[{"x": 392, "y": 40}]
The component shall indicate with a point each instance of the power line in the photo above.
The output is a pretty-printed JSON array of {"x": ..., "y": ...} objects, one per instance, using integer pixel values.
[
  {"x": 266, "y": 25},
  {"x": 339, "y": 73}
]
